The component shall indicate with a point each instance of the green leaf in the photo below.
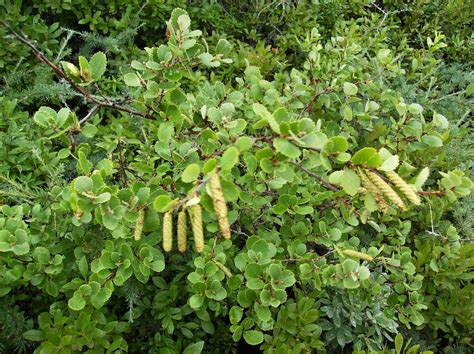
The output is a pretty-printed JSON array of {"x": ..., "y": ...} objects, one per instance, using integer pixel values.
[
  {"x": 196, "y": 301},
  {"x": 45, "y": 116},
  {"x": 350, "y": 182},
  {"x": 33, "y": 335},
  {"x": 470, "y": 89},
  {"x": 62, "y": 116},
  {"x": 21, "y": 249},
  {"x": 336, "y": 144},
  {"x": 415, "y": 108},
  {"x": 367, "y": 156},
  {"x": 165, "y": 131},
  {"x": 175, "y": 15},
  {"x": 263, "y": 312},
  {"x": 253, "y": 337},
  {"x": 195, "y": 348},
  {"x": 83, "y": 164},
  {"x": 89, "y": 130},
  {"x": 163, "y": 203},
  {"x": 98, "y": 64},
  {"x": 103, "y": 295},
  {"x": 132, "y": 79},
  {"x": 230, "y": 158},
  {"x": 223, "y": 47},
  {"x": 83, "y": 266},
  {"x": 235, "y": 314},
  {"x": 183, "y": 22},
  {"x": 432, "y": 140},
  {"x": 398, "y": 343},
  {"x": 286, "y": 148},
  {"x": 347, "y": 112},
  {"x": 421, "y": 178},
  {"x": 83, "y": 184},
  {"x": 76, "y": 303},
  {"x": 110, "y": 221},
  {"x": 350, "y": 89},
  {"x": 263, "y": 113},
  {"x": 390, "y": 163},
  {"x": 350, "y": 283},
  {"x": 191, "y": 173},
  {"x": 440, "y": 121},
  {"x": 384, "y": 56},
  {"x": 85, "y": 68}
]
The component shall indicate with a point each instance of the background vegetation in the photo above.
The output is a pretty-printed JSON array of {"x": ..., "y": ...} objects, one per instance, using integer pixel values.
[{"x": 292, "y": 103}]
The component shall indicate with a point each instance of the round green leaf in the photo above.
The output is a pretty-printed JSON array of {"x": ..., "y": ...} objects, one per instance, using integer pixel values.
[
  {"x": 253, "y": 337},
  {"x": 132, "y": 79},
  {"x": 76, "y": 303},
  {"x": 191, "y": 173},
  {"x": 230, "y": 158},
  {"x": 350, "y": 89},
  {"x": 286, "y": 148},
  {"x": 367, "y": 156},
  {"x": 97, "y": 64}
]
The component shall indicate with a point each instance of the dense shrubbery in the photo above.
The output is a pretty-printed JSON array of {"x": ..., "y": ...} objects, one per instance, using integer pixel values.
[{"x": 341, "y": 140}]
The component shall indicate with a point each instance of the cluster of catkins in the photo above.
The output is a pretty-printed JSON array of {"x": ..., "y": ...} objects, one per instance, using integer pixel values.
[
  {"x": 194, "y": 211},
  {"x": 379, "y": 189}
]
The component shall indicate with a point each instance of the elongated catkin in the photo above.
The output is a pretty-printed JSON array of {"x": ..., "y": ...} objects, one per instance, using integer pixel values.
[
  {"x": 139, "y": 225},
  {"x": 195, "y": 213},
  {"x": 182, "y": 231},
  {"x": 222, "y": 267},
  {"x": 220, "y": 206},
  {"x": 168, "y": 231},
  {"x": 406, "y": 189},
  {"x": 359, "y": 255},
  {"x": 385, "y": 188},
  {"x": 372, "y": 189}
]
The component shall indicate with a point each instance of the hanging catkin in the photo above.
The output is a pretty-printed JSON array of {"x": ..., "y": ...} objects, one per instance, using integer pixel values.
[
  {"x": 182, "y": 230},
  {"x": 168, "y": 231},
  {"x": 220, "y": 206},
  {"x": 404, "y": 187},
  {"x": 139, "y": 224},
  {"x": 385, "y": 188},
  {"x": 359, "y": 255},
  {"x": 372, "y": 189},
  {"x": 195, "y": 214},
  {"x": 222, "y": 267}
]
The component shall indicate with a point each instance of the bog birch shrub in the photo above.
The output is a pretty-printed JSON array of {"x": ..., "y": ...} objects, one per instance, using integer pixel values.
[{"x": 300, "y": 212}]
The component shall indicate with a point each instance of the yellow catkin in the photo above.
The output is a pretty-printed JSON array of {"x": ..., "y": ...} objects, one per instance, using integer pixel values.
[
  {"x": 406, "y": 189},
  {"x": 195, "y": 214},
  {"x": 385, "y": 188},
  {"x": 222, "y": 267},
  {"x": 168, "y": 231},
  {"x": 182, "y": 230},
  {"x": 357, "y": 254},
  {"x": 139, "y": 225},
  {"x": 370, "y": 187},
  {"x": 220, "y": 206}
]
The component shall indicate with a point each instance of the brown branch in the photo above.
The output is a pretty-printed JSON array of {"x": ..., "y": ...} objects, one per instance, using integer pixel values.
[
  {"x": 432, "y": 193},
  {"x": 196, "y": 191},
  {"x": 123, "y": 164},
  {"x": 313, "y": 100},
  {"x": 82, "y": 90},
  {"x": 89, "y": 114},
  {"x": 326, "y": 184}
]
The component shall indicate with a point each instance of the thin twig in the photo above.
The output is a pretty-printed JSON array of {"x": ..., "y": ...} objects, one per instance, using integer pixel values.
[
  {"x": 183, "y": 201},
  {"x": 122, "y": 162},
  {"x": 90, "y": 114},
  {"x": 319, "y": 178},
  {"x": 313, "y": 100},
  {"x": 82, "y": 90}
]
